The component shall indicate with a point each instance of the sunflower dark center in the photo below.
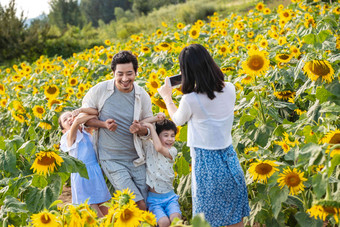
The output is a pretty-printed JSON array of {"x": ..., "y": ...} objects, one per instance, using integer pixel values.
[
  {"x": 292, "y": 179},
  {"x": 263, "y": 168},
  {"x": 154, "y": 84},
  {"x": 256, "y": 62},
  {"x": 194, "y": 32},
  {"x": 335, "y": 139},
  {"x": 329, "y": 210},
  {"x": 319, "y": 68},
  {"x": 46, "y": 161},
  {"x": 284, "y": 56},
  {"x": 51, "y": 90},
  {"x": 45, "y": 219},
  {"x": 127, "y": 214},
  {"x": 40, "y": 110}
]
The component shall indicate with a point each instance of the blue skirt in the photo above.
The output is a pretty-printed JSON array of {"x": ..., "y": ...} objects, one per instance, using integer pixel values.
[{"x": 218, "y": 186}]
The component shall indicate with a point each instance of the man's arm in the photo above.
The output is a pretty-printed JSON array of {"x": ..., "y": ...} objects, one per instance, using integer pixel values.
[
  {"x": 87, "y": 110},
  {"x": 109, "y": 124}
]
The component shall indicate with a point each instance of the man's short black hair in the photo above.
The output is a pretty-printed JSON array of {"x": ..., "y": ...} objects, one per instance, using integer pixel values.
[
  {"x": 124, "y": 57},
  {"x": 165, "y": 125}
]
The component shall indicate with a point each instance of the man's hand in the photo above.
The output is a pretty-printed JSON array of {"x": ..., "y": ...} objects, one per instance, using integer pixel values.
[
  {"x": 111, "y": 125},
  {"x": 135, "y": 127}
]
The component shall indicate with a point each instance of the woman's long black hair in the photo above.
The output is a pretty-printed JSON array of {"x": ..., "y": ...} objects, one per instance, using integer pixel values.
[{"x": 200, "y": 72}]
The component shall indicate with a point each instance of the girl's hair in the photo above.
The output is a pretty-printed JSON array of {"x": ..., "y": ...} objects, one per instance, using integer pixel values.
[
  {"x": 59, "y": 120},
  {"x": 165, "y": 125},
  {"x": 199, "y": 71}
]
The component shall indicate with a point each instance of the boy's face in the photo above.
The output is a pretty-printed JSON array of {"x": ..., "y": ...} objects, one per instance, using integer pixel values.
[
  {"x": 66, "y": 120},
  {"x": 124, "y": 77},
  {"x": 167, "y": 138}
]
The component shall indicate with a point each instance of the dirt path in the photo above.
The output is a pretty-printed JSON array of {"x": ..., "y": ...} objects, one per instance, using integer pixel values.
[{"x": 65, "y": 196}]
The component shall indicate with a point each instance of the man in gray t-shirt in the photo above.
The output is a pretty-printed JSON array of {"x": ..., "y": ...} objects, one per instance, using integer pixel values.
[{"x": 121, "y": 104}]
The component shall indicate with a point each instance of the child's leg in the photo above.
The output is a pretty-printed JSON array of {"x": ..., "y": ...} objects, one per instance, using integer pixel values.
[
  {"x": 175, "y": 215},
  {"x": 96, "y": 208},
  {"x": 103, "y": 209},
  {"x": 164, "y": 222}
]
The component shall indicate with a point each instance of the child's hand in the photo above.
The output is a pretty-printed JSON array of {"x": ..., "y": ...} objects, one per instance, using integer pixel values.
[
  {"x": 76, "y": 112},
  {"x": 83, "y": 118},
  {"x": 148, "y": 125},
  {"x": 111, "y": 125},
  {"x": 135, "y": 127},
  {"x": 160, "y": 116}
]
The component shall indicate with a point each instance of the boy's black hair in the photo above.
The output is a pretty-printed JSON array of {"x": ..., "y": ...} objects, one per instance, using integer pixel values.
[{"x": 165, "y": 125}]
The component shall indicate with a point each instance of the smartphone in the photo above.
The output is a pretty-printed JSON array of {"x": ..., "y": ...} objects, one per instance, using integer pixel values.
[{"x": 175, "y": 80}]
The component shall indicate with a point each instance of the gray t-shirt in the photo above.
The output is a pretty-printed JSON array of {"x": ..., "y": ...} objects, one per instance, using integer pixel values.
[{"x": 117, "y": 145}]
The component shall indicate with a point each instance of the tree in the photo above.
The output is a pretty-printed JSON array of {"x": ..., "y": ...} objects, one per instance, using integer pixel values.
[
  {"x": 12, "y": 32},
  {"x": 96, "y": 10},
  {"x": 65, "y": 12}
]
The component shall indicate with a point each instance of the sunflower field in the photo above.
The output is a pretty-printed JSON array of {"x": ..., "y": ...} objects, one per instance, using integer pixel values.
[{"x": 285, "y": 65}]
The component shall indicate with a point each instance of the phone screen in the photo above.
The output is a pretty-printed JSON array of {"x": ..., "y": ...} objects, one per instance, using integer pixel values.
[{"x": 175, "y": 80}]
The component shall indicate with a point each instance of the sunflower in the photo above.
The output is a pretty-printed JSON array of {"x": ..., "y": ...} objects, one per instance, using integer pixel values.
[
  {"x": 145, "y": 49},
  {"x": 257, "y": 63},
  {"x": 158, "y": 102},
  {"x": 319, "y": 69},
  {"x": 19, "y": 108},
  {"x": 332, "y": 138},
  {"x": 266, "y": 11},
  {"x": 260, "y": 6},
  {"x": 128, "y": 216},
  {"x": 107, "y": 42},
  {"x": 153, "y": 85},
  {"x": 18, "y": 117},
  {"x": 69, "y": 90},
  {"x": 45, "y": 125},
  {"x": 250, "y": 149},
  {"x": 51, "y": 91},
  {"x": 223, "y": 50},
  {"x": 285, "y": 147},
  {"x": 149, "y": 218},
  {"x": 164, "y": 46},
  {"x": 285, "y": 95},
  {"x": 44, "y": 218},
  {"x": 282, "y": 40},
  {"x": 283, "y": 58},
  {"x": 180, "y": 25},
  {"x": 2, "y": 89},
  {"x": 264, "y": 43},
  {"x": 45, "y": 162},
  {"x": 285, "y": 15},
  {"x": 295, "y": 51},
  {"x": 247, "y": 79},
  {"x": 73, "y": 81},
  {"x": 194, "y": 32},
  {"x": 82, "y": 88},
  {"x": 325, "y": 208},
  {"x": 123, "y": 197},
  {"x": 336, "y": 10},
  {"x": 38, "y": 111},
  {"x": 3, "y": 102},
  {"x": 52, "y": 102},
  {"x": 293, "y": 179},
  {"x": 262, "y": 170}
]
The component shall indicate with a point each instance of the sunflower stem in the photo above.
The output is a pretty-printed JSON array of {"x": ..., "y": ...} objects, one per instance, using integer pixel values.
[{"x": 261, "y": 107}]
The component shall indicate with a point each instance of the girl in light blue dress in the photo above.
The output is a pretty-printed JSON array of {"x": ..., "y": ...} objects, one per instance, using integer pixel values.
[{"x": 78, "y": 143}]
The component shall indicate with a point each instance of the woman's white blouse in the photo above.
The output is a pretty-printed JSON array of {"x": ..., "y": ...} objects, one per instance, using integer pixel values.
[
  {"x": 159, "y": 169},
  {"x": 209, "y": 121}
]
